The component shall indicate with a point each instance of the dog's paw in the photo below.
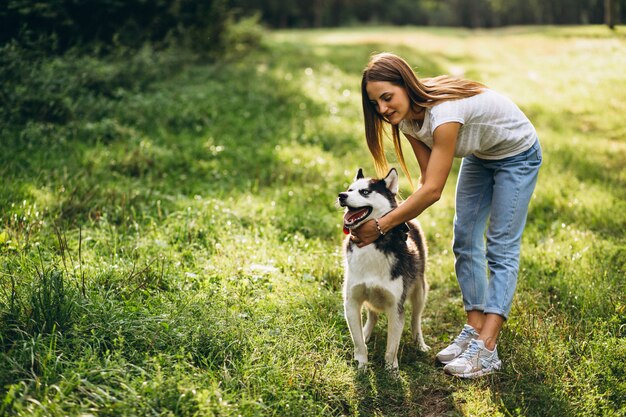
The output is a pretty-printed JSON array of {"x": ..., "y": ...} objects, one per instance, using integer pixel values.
[
  {"x": 362, "y": 366},
  {"x": 391, "y": 361},
  {"x": 361, "y": 359},
  {"x": 392, "y": 368},
  {"x": 421, "y": 345}
]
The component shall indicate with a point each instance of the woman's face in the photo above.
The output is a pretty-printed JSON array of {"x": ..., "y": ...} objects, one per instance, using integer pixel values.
[{"x": 390, "y": 101}]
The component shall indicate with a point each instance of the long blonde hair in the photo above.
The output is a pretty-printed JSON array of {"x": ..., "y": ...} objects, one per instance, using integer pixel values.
[{"x": 424, "y": 93}]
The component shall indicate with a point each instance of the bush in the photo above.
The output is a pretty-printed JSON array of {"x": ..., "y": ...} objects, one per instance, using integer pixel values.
[
  {"x": 243, "y": 35},
  {"x": 77, "y": 84},
  {"x": 129, "y": 23}
]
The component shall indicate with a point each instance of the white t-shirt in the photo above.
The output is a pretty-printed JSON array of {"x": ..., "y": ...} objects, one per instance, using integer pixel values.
[{"x": 492, "y": 126}]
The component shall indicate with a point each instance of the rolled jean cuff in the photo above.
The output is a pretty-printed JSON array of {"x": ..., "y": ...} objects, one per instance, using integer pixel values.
[
  {"x": 494, "y": 310},
  {"x": 474, "y": 307}
]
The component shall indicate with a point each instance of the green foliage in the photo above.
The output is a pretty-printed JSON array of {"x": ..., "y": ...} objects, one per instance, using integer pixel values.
[
  {"x": 51, "y": 303},
  {"x": 79, "y": 86},
  {"x": 170, "y": 246},
  {"x": 74, "y": 86},
  {"x": 64, "y": 24},
  {"x": 466, "y": 13}
]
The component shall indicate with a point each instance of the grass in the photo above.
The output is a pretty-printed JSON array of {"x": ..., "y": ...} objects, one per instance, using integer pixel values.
[{"x": 174, "y": 248}]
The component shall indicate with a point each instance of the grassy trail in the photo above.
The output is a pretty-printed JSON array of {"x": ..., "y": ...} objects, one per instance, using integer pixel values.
[{"x": 175, "y": 250}]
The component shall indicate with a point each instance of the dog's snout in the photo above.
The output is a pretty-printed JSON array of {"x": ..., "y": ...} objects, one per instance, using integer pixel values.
[{"x": 343, "y": 196}]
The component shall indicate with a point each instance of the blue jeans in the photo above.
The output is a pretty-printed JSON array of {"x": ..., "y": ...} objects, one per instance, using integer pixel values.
[{"x": 498, "y": 191}]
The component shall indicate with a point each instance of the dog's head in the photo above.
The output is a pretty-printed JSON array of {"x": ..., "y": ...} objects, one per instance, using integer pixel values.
[{"x": 368, "y": 198}]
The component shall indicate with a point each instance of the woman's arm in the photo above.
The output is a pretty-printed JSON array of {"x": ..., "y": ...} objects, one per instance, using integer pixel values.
[
  {"x": 422, "y": 154},
  {"x": 433, "y": 180}
]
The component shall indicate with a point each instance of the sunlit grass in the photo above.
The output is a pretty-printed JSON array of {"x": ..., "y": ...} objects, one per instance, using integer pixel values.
[{"x": 194, "y": 230}]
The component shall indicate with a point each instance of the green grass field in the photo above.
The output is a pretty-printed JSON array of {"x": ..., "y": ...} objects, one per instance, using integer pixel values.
[{"x": 173, "y": 246}]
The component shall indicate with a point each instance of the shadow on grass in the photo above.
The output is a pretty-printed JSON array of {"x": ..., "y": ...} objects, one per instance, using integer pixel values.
[
  {"x": 215, "y": 131},
  {"x": 572, "y": 205},
  {"x": 212, "y": 131},
  {"x": 595, "y": 166},
  {"x": 421, "y": 388},
  {"x": 417, "y": 388},
  {"x": 527, "y": 397},
  {"x": 352, "y": 59},
  {"x": 383, "y": 393}
]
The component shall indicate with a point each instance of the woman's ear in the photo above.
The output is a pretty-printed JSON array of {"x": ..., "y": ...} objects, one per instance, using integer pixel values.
[{"x": 391, "y": 181}]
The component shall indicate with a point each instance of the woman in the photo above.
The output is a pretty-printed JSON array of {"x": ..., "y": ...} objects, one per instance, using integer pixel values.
[{"x": 443, "y": 118}]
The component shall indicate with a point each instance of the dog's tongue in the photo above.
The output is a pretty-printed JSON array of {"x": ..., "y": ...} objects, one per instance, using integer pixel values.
[
  {"x": 353, "y": 214},
  {"x": 350, "y": 216}
]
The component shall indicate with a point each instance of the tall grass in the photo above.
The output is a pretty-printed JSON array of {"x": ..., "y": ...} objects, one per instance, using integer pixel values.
[{"x": 172, "y": 247}]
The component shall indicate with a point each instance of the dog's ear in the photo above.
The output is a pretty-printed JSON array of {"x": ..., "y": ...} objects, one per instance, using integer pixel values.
[
  {"x": 359, "y": 174},
  {"x": 391, "y": 181}
]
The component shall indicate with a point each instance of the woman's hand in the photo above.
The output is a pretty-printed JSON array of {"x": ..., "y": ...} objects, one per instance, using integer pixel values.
[{"x": 365, "y": 234}]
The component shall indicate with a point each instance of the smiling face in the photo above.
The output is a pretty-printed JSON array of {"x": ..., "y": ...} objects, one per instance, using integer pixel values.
[
  {"x": 368, "y": 199},
  {"x": 390, "y": 101}
]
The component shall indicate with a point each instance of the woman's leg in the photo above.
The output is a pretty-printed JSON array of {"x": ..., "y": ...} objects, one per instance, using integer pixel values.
[
  {"x": 473, "y": 201},
  {"x": 514, "y": 182},
  {"x": 488, "y": 326}
]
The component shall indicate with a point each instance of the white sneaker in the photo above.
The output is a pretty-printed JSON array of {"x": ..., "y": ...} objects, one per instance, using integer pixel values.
[
  {"x": 459, "y": 344},
  {"x": 475, "y": 361}
]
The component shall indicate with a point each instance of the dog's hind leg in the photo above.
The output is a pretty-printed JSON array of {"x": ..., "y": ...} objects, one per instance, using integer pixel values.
[
  {"x": 352, "y": 310},
  {"x": 394, "y": 333},
  {"x": 418, "y": 301},
  {"x": 372, "y": 319}
]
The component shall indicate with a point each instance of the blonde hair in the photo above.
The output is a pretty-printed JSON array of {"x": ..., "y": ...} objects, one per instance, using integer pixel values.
[{"x": 424, "y": 93}]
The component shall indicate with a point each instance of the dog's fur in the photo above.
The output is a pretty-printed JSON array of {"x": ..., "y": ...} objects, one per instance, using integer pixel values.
[{"x": 384, "y": 274}]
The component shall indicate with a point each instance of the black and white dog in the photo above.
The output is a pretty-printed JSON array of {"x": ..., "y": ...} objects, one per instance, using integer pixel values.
[{"x": 385, "y": 274}]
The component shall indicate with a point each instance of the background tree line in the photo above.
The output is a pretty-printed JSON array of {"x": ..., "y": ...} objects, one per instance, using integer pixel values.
[
  {"x": 131, "y": 23},
  {"x": 134, "y": 33},
  {"x": 202, "y": 23},
  {"x": 467, "y": 13}
]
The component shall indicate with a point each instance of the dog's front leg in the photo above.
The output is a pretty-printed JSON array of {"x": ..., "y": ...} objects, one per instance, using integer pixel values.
[
  {"x": 394, "y": 333},
  {"x": 352, "y": 310}
]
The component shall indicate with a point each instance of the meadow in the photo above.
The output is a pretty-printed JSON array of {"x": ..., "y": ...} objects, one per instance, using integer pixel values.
[{"x": 170, "y": 243}]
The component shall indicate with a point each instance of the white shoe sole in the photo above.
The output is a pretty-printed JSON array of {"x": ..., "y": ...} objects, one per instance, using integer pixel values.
[
  {"x": 446, "y": 362},
  {"x": 479, "y": 373}
]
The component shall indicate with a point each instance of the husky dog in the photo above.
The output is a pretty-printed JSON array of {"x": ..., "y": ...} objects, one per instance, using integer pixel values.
[{"x": 384, "y": 274}]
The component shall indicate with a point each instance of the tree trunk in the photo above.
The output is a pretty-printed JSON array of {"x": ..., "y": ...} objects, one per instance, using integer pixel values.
[
  {"x": 609, "y": 13},
  {"x": 318, "y": 10}
]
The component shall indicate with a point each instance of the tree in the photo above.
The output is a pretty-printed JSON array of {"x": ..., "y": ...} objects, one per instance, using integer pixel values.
[{"x": 609, "y": 13}]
